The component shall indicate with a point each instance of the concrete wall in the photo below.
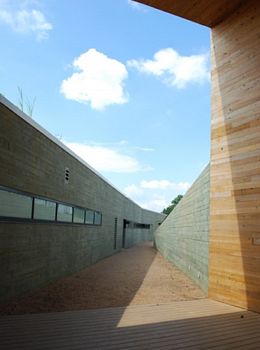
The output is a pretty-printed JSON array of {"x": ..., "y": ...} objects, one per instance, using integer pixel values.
[
  {"x": 183, "y": 236},
  {"x": 132, "y": 235},
  {"x": 234, "y": 243},
  {"x": 32, "y": 253}
]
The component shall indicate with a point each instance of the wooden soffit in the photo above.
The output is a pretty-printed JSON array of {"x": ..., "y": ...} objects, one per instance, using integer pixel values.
[{"x": 205, "y": 12}]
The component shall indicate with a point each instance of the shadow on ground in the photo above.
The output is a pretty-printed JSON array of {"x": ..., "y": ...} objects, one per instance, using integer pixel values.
[
  {"x": 138, "y": 275},
  {"x": 144, "y": 327}
]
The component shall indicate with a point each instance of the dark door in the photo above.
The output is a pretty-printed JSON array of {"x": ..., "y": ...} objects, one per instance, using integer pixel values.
[
  {"x": 115, "y": 233},
  {"x": 125, "y": 224}
]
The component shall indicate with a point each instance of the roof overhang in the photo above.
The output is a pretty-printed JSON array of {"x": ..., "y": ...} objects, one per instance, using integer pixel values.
[{"x": 206, "y": 12}]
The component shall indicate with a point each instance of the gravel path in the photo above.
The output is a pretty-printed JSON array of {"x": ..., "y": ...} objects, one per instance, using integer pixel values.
[{"x": 138, "y": 275}]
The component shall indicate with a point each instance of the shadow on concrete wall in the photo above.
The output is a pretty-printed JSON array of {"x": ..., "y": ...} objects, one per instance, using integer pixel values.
[{"x": 182, "y": 238}]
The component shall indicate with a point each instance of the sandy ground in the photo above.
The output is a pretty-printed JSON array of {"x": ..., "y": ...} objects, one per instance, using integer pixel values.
[{"x": 138, "y": 275}]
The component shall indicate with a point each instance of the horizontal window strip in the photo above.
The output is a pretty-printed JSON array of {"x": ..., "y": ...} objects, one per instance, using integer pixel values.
[{"x": 20, "y": 206}]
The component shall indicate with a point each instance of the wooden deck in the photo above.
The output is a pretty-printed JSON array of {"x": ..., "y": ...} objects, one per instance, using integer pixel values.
[{"x": 197, "y": 324}]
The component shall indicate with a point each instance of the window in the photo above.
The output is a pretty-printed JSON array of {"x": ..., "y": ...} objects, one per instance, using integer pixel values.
[
  {"x": 78, "y": 215},
  {"x": 44, "y": 210},
  {"x": 15, "y": 205},
  {"x": 97, "y": 220},
  {"x": 64, "y": 213},
  {"x": 19, "y": 206},
  {"x": 142, "y": 226},
  {"x": 89, "y": 219}
]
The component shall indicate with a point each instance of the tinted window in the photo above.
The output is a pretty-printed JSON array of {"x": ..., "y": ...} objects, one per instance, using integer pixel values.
[
  {"x": 44, "y": 210},
  {"x": 97, "y": 220},
  {"x": 89, "y": 217},
  {"x": 78, "y": 215},
  {"x": 64, "y": 213},
  {"x": 15, "y": 205}
]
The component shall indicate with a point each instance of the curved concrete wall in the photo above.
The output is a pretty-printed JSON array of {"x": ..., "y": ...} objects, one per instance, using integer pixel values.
[
  {"x": 35, "y": 253},
  {"x": 183, "y": 236}
]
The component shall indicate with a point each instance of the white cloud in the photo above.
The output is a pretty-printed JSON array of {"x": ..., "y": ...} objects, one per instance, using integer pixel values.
[
  {"x": 25, "y": 20},
  {"x": 156, "y": 204},
  {"x": 99, "y": 80},
  {"x": 136, "y": 6},
  {"x": 105, "y": 159},
  {"x": 164, "y": 185},
  {"x": 144, "y": 149},
  {"x": 173, "y": 69},
  {"x": 133, "y": 191},
  {"x": 155, "y": 194}
]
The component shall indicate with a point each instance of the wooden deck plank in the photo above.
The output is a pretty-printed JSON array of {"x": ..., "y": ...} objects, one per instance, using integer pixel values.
[{"x": 197, "y": 324}]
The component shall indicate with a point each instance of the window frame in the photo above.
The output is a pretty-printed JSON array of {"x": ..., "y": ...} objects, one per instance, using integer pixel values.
[
  {"x": 100, "y": 214},
  {"x": 88, "y": 223},
  {"x": 84, "y": 211},
  {"x": 16, "y": 218},
  {"x": 47, "y": 200},
  {"x": 47, "y": 221}
]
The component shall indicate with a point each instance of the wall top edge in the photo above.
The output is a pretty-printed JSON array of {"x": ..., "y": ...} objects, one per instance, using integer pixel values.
[{"x": 8, "y": 104}]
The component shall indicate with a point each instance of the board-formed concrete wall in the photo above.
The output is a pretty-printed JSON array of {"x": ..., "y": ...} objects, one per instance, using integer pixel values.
[
  {"x": 35, "y": 253},
  {"x": 234, "y": 244},
  {"x": 183, "y": 236},
  {"x": 132, "y": 235}
]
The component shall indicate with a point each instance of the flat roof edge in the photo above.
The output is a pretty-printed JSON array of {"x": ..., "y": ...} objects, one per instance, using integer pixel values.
[{"x": 8, "y": 104}]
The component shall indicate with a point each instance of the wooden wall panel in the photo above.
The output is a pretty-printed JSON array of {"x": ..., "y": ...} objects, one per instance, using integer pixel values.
[
  {"x": 234, "y": 249},
  {"x": 206, "y": 12}
]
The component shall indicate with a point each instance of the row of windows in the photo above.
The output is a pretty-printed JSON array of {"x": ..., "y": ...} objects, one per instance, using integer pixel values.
[
  {"x": 21, "y": 206},
  {"x": 136, "y": 225},
  {"x": 142, "y": 226}
]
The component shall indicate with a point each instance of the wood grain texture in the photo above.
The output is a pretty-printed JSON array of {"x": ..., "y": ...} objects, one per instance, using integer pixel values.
[
  {"x": 206, "y": 12},
  {"x": 199, "y": 324},
  {"x": 234, "y": 259}
]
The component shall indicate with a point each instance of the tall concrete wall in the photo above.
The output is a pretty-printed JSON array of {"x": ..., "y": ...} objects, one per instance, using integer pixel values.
[
  {"x": 35, "y": 253},
  {"x": 183, "y": 236},
  {"x": 134, "y": 235}
]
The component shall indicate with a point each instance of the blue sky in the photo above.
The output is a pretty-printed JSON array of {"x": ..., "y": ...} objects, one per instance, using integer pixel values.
[{"x": 124, "y": 85}]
